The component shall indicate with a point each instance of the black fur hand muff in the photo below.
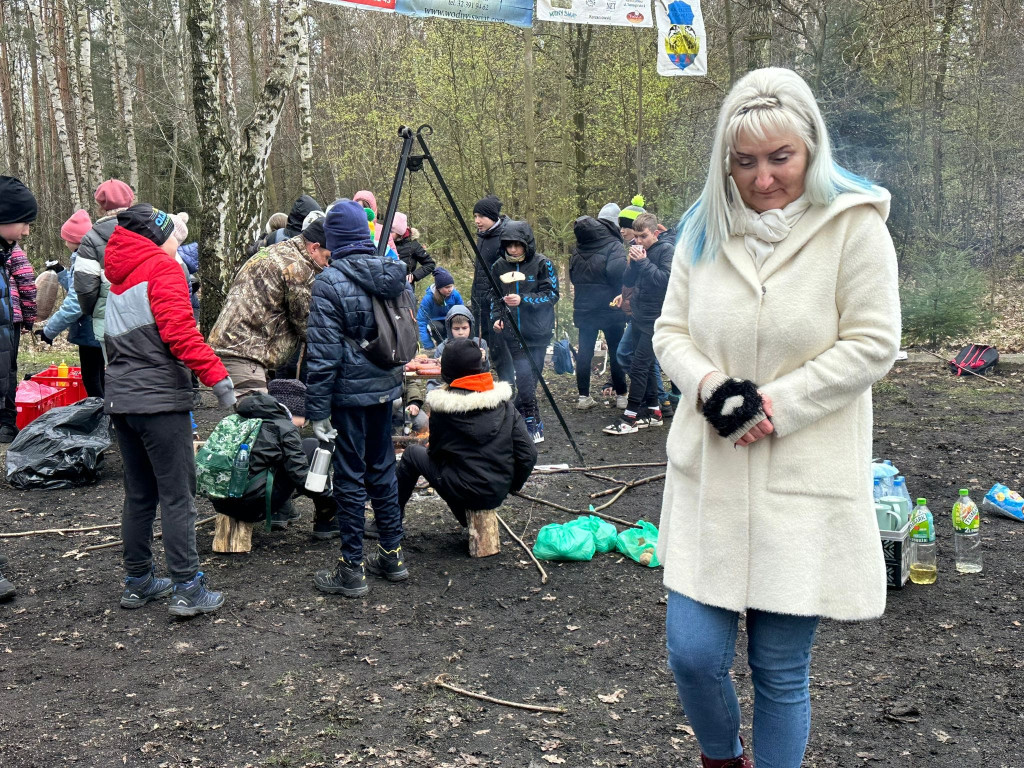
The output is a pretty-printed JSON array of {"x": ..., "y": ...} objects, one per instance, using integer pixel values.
[{"x": 732, "y": 406}]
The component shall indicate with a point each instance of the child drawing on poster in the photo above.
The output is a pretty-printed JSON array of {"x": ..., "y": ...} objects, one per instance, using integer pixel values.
[{"x": 682, "y": 43}]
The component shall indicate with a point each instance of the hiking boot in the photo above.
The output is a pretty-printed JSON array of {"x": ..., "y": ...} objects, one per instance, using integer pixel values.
[
  {"x": 326, "y": 529},
  {"x": 733, "y": 762},
  {"x": 621, "y": 402},
  {"x": 190, "y": 598},
  {"x": 624, "y": 427},
  {"x": 389, "y": 563},
  {"x": 7, "y": 433},
  {"x": 585, "y": 403},
  {"x": 6, "y": 589},
  {"x": 139, "y": 590},
  {"x": 348, "y": 579}
]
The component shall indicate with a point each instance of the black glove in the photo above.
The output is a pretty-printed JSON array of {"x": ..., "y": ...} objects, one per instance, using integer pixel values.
[
  {"x": 56, "y": 266},
  {"x": 43, "y": 337},
  {"x": 731, "y": 406}
]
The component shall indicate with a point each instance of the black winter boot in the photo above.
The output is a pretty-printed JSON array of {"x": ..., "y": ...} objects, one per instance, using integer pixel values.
[
  {"x": 389, "y": 563},
  {"x": 348, "y": 579}
]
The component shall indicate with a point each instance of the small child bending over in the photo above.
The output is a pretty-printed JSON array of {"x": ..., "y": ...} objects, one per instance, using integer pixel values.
[{"x": 479, "y": 449}]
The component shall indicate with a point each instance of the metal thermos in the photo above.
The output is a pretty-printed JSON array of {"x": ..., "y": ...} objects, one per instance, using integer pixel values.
[{"x": 319, "y": 469}]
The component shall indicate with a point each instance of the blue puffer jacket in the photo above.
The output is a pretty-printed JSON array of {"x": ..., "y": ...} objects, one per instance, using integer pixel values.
[
  {"x": 189, "y": 255},
  {"x": 431, "y": 310},
  {"x": 339, "y": 374},
  {"x": 69, "y": 315}
]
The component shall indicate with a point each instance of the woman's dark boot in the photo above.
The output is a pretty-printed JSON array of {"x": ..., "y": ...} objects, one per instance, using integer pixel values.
[{"x": 733, "y": 762}]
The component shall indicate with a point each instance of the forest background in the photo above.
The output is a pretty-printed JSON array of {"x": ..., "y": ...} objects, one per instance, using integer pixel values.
[{"x": 230, "y": 109}]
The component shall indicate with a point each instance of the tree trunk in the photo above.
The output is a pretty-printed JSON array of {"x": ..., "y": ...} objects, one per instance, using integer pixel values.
[
  {"x": 530, "y": 131},
  {"x": 730, "y": 47},
  {"x": 179, "y": 100},
  {"x": 217, "y": 209},
  {"x": 59, "y": 122},
  {"x": 11, "y": 105},
  {"x": 759, "y": 38},
  {"x": 227, "y": 73},
  {"x": 127, "y": 97},
  {"x": 258, "y": 137},
  {"x": 580, "y": 55},
  {"x": 939, "y": 108},
  {"x": 305, "y": 112},
  {"x": 93, "y": 161}
]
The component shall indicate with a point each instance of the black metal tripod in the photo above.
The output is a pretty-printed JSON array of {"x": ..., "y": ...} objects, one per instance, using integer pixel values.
[{"x": 412, "y": 163}]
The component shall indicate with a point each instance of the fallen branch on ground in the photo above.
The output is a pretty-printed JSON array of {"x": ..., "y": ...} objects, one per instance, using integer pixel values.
[
  {"x": 606, "y": 478},
  {"x": 632, "y": 484},
  {"x": 157, "y": 535},
  {"x": 59, "y": 531},
  {"x": 543, "y": 573},
  {"x": 609, "y": 518},
  {"x": 603, "y": 466},
  {"x": 462, "y": 691}
]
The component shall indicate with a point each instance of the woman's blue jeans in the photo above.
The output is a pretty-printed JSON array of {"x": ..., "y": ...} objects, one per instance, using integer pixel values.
[{"x": 701, "y": 647}]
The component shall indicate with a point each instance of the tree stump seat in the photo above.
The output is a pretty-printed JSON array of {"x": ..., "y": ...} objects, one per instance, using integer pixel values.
[
  {"x": 232, "y": 536},
  {"x": 482, "y": 525}
]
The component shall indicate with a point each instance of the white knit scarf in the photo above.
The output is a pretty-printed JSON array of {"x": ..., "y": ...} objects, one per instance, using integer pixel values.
[{"x": 761, "y": 231}]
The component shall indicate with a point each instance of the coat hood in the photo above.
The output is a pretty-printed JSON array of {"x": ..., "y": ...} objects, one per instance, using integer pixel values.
[
  {"x": 126, "y": 250},
  {"x": 519, "y": 232},
  {"x": 302, "y": 208},
  {"x": 592, "y": 234},
  {"x": 478, "y": 415},
  {"x": 368, "y": 196},
  {"x": 378, "y": 277},
  {"x": 260, "y": 405},
  {"x": 459, "y": 310}
]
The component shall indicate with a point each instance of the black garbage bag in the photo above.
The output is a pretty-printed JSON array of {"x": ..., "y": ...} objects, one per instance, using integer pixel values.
[{"x": 62, "y": 448}]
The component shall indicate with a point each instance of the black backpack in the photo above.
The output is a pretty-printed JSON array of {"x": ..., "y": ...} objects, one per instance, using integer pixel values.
[
  {"x": 397, "y": 332},
  {"x": 974, "y": 358}
]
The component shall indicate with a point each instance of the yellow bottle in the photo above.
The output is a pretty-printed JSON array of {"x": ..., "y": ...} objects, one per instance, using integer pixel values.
[{"x": 62, "y": 370}]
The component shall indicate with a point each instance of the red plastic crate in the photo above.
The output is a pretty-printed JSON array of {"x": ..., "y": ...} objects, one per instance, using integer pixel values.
[
  {"x": 34, "y": 398},
  {"x": 72, "y": 383}
]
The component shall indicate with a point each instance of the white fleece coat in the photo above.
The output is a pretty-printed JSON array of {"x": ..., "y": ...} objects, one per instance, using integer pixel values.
[{"x": 787, "y": 524}]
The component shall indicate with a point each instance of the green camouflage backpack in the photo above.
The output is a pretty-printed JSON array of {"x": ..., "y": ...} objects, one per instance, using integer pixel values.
[{"x": 217, "y": 456}]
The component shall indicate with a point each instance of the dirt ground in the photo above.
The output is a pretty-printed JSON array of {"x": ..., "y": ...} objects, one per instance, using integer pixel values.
[{"x": 284, "y": 676}]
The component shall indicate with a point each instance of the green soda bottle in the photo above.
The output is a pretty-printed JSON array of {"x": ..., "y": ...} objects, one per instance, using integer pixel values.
[
  {"x": 923, "y": 566},
  {"x": 967, "y": 534}
]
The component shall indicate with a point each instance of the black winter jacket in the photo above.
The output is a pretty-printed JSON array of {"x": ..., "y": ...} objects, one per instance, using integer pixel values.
[
  {"x": 9, "y": 339},
  {"x": 418, "y": 262},
  {"x": 339, "y": 374},
  {"x": 277, "y": 447},
  {"x": 649, "y": 279},
  {"x": 489, "y": 245},
  {"x": 480, "y": 445},
  {"x": 596, "y": 268},
  {"x": 304, "y": 206},
  {"x": 535, "y": 315}
]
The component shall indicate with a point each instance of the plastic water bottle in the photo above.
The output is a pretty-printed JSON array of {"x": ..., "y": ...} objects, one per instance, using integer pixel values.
[
  {"x": 876, "y": 490},
  {"x": 899, "y": 488},
  {"x": 967, "y": 534},
  {"x": 239, "y": 473},
  {"x": 923, "y": 565},
  {"x": 319, "y": 467},
  {"x": 887, "y": 482}
]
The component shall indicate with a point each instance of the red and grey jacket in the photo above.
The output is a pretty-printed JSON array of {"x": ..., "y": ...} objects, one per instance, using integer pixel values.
[{"x": 151, "y": 334}]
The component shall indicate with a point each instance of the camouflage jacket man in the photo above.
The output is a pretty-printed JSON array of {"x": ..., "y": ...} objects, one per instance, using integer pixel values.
[{"x": 264, "y": 317}]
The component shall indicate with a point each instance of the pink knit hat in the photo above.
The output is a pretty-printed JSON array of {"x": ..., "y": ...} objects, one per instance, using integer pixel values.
[
  {"x": 400, "y": 225},
  {"x": 113, "y": 194},
  {"x": 368, "y": 196},
  {"x": 74, "y": 228}
]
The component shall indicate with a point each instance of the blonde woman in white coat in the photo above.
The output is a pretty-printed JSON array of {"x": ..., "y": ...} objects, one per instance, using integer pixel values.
[{"x": 781, "y": 311}]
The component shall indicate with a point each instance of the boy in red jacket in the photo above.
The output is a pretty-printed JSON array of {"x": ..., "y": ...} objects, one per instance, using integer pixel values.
[{"x": 151, "y": 337}]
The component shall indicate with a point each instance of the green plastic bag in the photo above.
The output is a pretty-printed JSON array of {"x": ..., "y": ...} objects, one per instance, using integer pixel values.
[
  {"x": 640, "y": 544},
  {"x": 564, "y": 542},
  {"x": 604, "y": 532}
]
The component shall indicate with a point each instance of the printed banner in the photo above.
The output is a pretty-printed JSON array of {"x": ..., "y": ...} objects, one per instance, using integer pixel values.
[
  {"x": 682, "y": 43},
  {"x": 518, "y": 13},
  {"x": 624, "y": 13},
  {"x": 388, "y": 6}
]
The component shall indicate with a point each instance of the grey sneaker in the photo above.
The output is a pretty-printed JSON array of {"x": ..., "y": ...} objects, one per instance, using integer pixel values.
[
  {"x": 585, "y": 403},
  {"x": 621, "y": 402},
  {"x": 190, "y": 598},
  {"x": 139, "y": 590},
  {"x": 348, "y": 579},
  {"x": 387, "y": 563}
]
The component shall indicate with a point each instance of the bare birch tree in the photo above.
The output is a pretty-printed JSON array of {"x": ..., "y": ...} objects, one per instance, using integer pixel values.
[
  {"x": 92, "y": 160},
  {"x": 305, "y": 111},
  {"x": 125, "y": 83}
]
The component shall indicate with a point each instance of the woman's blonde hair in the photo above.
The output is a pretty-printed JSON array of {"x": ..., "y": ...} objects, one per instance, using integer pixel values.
[{"x": 763, "y": 103}]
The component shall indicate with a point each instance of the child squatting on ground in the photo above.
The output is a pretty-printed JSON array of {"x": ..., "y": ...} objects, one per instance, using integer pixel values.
[
  {"x": 480, "y": 449},
  {"x": 529, "y": 289}
]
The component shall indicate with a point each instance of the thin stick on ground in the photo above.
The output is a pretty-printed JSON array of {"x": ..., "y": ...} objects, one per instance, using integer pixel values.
[
  {"x": 605, "y": 478},
  {"x": 631, "y": 484},
  {"x": 963, "y": 368},
  {"x": 596, "y": 511},
  {"x": 517, "y": 705},
  {"x": 59, "y": 531},
  {"x": 602, "y": 466},
  {"x": 543, "y": 573},
  {"x": 157, "y": 535}
]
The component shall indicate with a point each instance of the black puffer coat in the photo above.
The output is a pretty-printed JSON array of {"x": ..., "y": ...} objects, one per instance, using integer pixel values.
[
  {"x": 418, "y": 262},
  {"x": 339, "y": 374},
  {"x": 535, "y": 315},
  {"x": 480, "y": 445},
  {"x": 278, "y": 447},
  {"x": 649, "y": 279},
  {"x": 596, "y": 268},
  {"x": 304, "y": 206},
  {"x": 489, "y": 245}
]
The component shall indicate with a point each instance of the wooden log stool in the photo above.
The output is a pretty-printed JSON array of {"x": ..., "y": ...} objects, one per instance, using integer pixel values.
[
  {"x": 483, "y": 532},
  {"x": 232, "y": 536}
]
